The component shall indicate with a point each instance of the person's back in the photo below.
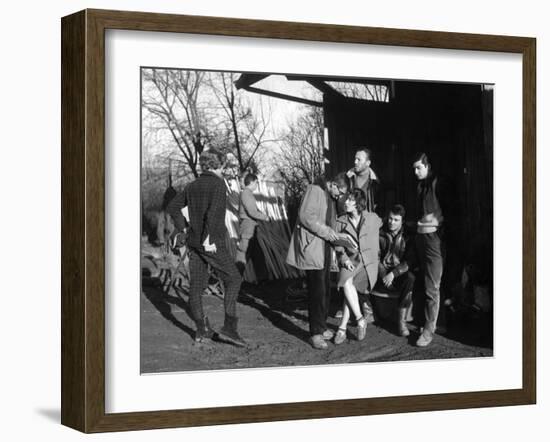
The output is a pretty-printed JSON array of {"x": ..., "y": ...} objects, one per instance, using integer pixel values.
[
  {"x": 247, "y": 207},
  {"x": 246, "y": 194},
  {"x": 249, "y": 215},
  {"x": 206, "y": 201}
]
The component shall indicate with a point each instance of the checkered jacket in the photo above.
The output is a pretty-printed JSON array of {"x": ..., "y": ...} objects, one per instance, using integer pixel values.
[{"x": 206, "y": 200}]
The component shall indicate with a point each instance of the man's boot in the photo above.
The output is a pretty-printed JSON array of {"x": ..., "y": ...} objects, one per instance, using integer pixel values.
[
  {"x": 366, "y": 309},
  {"x": 425, "y": 338},
  {"x": 402, "y": 328},
  {"x": 203, "y": 330},
  {"x": 229, "y": 331}
]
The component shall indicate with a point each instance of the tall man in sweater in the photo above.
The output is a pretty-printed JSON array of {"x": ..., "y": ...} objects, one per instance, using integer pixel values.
[
  {"x": 249, "y": 215},
  {"x": 206, "y": 200},
  {"x": 429, "y": 244}
]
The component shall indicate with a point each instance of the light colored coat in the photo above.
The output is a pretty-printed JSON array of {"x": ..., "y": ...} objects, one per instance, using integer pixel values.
[
  {"x": 247, "y": 207},
  {"x": 367, "y": 236},
  {"x": 306, "y": 251}
]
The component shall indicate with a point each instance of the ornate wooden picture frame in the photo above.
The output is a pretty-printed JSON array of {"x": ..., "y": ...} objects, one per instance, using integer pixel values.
[{"x": 83, "y": 220}]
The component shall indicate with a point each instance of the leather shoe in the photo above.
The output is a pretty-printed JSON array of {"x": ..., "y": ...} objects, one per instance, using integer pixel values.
[
  {"x": 203, "y": 330},
  {"x": 318, "y": 342},
  {"x": 425, "y": 339},
  {"x": 340, "y": 336},
  {"x": 403, "y": 329},
  {"x": 366, "y": 309},
  {"x": 361, "y": 328},
  {"x": 229, "y": 332}
]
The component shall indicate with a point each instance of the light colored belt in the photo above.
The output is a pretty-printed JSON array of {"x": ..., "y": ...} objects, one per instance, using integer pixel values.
[{"x": 426, "y": 229}]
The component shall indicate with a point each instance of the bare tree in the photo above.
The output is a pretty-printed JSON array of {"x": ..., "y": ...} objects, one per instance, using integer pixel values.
[
  {"x": 371, "y": 92},
  {"x": 245, "y": 128},
  {"x": 190, "y": 110},
  {"x": 172, "y": 98},
  {"x": 301, "y": 160}
]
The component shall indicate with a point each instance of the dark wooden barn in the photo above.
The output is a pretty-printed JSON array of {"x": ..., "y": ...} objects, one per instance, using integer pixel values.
[{"x": 451, "y": 122}]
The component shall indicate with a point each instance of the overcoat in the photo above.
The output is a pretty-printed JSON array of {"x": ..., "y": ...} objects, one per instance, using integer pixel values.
[
  {"x": 366, "y": 237},
  {"x": 306, "y": 251}
]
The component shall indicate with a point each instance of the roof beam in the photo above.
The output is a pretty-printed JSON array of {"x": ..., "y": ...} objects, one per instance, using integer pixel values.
[
  {"x": 246, "y": 80},
  {"x": 282, "y": 96},
  {"x": 308, "y": 78},
  {"x": 323, "y": 87}
]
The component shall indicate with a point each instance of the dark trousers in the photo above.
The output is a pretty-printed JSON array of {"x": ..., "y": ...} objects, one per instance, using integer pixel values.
[
  {"x": 318, "y": 287},
  {"x": 246, "y": 233},
  {"x": 402, "y": 284},
  {"x": 223, "y": 265},
  {"x": 405, "y": 283},
  {"x": 430, "y": 254}
]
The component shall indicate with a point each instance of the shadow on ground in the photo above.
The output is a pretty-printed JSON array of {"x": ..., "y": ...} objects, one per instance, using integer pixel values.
[
  {"x": 51, "y": 414},
  {"x": 276, "y": 328},
  {"x": 270, "y": 302},
  {"x": 165, "y": 302}
]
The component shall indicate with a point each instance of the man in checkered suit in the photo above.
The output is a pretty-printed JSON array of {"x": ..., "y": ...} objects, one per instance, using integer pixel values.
[{"x": 206, "y": 200}]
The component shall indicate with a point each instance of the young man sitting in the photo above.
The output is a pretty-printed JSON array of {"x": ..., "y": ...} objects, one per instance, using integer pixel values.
[{"x": 396, "y": 253}]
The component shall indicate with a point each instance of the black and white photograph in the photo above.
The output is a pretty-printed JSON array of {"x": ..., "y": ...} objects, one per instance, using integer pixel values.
[
  {"x": 300, "y": 220},
  {"x": 261, "y": 221}
]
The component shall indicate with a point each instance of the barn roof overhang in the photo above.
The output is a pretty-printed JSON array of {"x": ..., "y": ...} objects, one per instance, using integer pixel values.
[{"x": 247, "y": 81}]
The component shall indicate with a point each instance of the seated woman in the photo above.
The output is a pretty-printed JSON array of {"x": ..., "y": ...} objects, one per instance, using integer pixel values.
[{"x": 358, "y": 259}]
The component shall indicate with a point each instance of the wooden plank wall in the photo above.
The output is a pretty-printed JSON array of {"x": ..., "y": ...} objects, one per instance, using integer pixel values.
[{"x": 452, "y": 123}]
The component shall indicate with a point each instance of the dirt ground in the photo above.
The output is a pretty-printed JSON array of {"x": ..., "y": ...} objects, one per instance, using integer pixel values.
[{"x": 276, "y": 331}]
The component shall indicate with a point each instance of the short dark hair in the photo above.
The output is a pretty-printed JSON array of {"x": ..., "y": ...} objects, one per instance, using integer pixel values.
[
  {"x": 422, "y": 157},
  {"x": 342, "y": 179},
  {"x": 367, "y": 151},
  {"x": 211, "y": 159},
  {"x": 339, "y": 179},
  {"x": 398, "y": 209},
  {"x": 250, "y": 178},
  {"x": 358, "y": 195}
]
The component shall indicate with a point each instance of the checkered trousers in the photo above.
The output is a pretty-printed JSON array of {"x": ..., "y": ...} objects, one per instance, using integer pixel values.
[{"x": 223, "y": 264}]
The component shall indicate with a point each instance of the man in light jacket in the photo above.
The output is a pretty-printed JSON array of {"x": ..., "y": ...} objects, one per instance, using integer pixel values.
[{"x": 310, "y": 251}]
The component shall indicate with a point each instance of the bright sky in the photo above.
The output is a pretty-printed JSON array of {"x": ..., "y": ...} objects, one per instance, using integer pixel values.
[
  {"x": 278, "y": 113},
  {"x": 283, "y": 112}
]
